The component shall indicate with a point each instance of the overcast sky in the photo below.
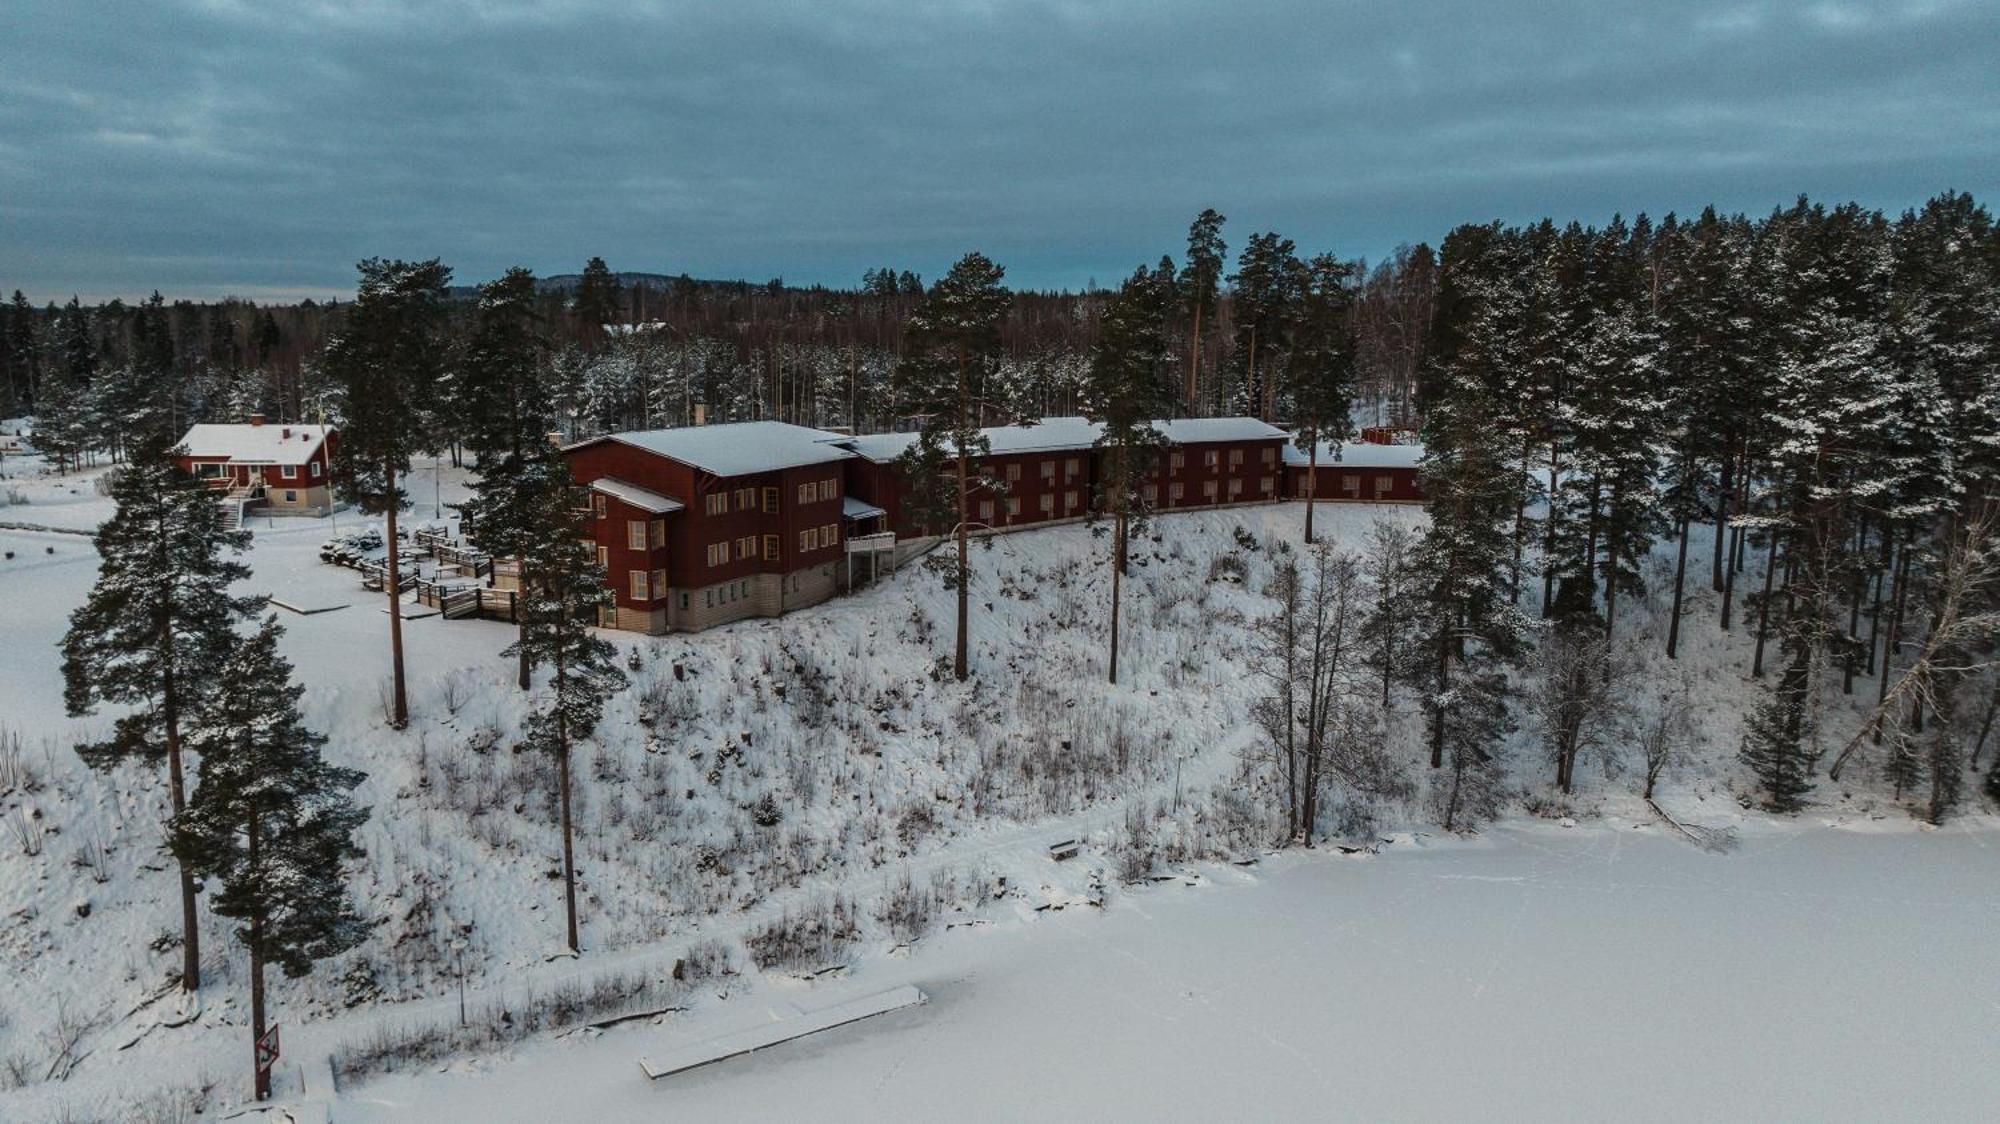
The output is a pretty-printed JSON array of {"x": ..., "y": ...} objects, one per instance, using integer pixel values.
[{"x": 261, "y": 147}]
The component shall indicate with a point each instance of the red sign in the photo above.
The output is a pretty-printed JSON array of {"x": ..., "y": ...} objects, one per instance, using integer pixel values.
[{"x": 267, "y": 1050}]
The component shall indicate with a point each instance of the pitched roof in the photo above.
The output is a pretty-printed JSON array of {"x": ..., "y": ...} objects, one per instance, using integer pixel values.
[
  {"x": 1358, "y": 454},
  {"x": 642, "y": 498},
  {"x": 736, "y": 448},
  {"x": 269, "y": 443},
  {"x": 1194, "y": 431}
]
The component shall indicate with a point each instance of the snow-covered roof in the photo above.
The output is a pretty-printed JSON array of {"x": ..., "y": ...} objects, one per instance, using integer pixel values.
[
  {"x": 642, "y": 498},
  {"x": 1066, "y": 433},
  {"x": 1358, "y": 454},
  {"x": 1194, "y": 431},
  {"x": 852, "y": 508},
  {"x": 738, "y": 448},
  {"x": 268, "y": 443}
]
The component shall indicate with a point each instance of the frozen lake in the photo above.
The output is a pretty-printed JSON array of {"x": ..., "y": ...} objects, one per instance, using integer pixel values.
[{"x": 1538, "y": 972}]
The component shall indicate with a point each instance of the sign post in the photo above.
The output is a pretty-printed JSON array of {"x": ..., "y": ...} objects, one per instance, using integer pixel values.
[{"x": 267, "y": 1057}]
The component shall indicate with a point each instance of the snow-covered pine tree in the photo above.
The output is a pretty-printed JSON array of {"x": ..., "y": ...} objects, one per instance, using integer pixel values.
[
  {"x": 557, "y": 611},
  {"x": 157, "y": 622},
  {"x": 271, "y": 825},
  {"x": 1198, "y": 282},
  {"x": 950, "y": 344},
  {"x": 499, "y": 395},
  {"x": 1264, "y": 294},
  {"x": 1466, "y": 626},
  {"x": 385, "y": 364},
  {"x": 67, "y": 418},
  {"x": 599, "y": 302},
  {"x": 1127, "y": 388},
  {"x": 1320, "y": 373}
]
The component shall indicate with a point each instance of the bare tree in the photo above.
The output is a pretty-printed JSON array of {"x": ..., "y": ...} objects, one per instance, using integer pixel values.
[
  {"x": 1573, "y": 703},
  {"x": 1664, "y": 733}
]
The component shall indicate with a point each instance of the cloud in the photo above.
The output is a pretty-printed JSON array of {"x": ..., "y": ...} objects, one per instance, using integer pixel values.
[{"x": 207, "y": 147}]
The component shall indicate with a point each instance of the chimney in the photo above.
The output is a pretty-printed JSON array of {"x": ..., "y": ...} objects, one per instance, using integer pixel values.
[
  {"x": 256, "y": 419},
  {"x": 286, "y": 435}
]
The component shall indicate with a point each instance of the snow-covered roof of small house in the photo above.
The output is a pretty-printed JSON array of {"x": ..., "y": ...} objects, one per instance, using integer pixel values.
[
  {"x": 644, "y": 499},
  {"x": 1358, "y": 454},
  {"x": 851, "y": 508},
  {"x": 265, "y": 443},
  {"x": 1195, "y": 431},
  {"x": 737, "y": 448}
]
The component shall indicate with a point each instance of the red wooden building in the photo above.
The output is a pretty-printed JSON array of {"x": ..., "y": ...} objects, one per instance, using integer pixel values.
[
  {"x": 1356, "y": 472},
  {"x": 277, "y": 469},
  {"x": 706, "y": 524}
]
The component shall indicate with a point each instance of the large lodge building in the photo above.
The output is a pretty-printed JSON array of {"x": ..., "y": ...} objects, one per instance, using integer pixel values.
[{"x": 702, "y": 525}]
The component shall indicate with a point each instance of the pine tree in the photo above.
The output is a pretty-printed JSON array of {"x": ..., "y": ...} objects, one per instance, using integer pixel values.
[
  {"x": 1265, "y": 291},
  {"x": 950, "y": 345},
  {"x": 557, "y": 611},
  {"x": 159, "y": 618},
  {"x": 1128, "y": 388},
  {"x": 385, "y": 366},
  {"x": 599, "y": 302},
  {"x": 498, "y": 391},
  {"x": 1772, "y": 743},
  {"x": 1206, "y": 253},
  {"x": 271, "y": 825},
  {"x": 1320, "y": 382}
]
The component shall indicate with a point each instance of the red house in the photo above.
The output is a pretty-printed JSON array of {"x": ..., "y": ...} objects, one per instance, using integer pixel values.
[
  {"x": 280, "y": 469},
  {"x": 707, "y": 524},
  {"x": 1357, "y": 472}
]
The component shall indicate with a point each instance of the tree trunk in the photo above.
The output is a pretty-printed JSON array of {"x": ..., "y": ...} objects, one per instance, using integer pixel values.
[
  {"x": 1194, "y": 361},
  {"x": 1549, "y": 533},
  {"x": 1680, "y": 583},
  {"x": 1443, "y": 684},
  {"x": 569, "y": 848},
  {"x": 958, "y": 666},
  {"x": 1312, "y": 486},
  {"x": 1898, "y": 597},
  {"x": 1520, "y": 523},
  {"x": 1764, "y": 607},
  {"x": 400, "y": 709},
  {"x": 261, "y": 1074},
  {"x": 1723, "y": 486},
  {"x": 1117, "y": 566},
  {"x": 177, "y": 792}
]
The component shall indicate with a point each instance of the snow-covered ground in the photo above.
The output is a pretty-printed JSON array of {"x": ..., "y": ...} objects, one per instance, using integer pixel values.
[
  {"x": 1537, "y": 973},
  {"x": 760, "y": 776}
]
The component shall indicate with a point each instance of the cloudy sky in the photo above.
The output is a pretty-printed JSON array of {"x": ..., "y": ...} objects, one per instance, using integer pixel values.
[{"x": 261, "y": 147}]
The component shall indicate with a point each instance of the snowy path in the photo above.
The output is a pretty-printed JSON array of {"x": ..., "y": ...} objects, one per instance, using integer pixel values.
[{"x": 1537, "y": 973}]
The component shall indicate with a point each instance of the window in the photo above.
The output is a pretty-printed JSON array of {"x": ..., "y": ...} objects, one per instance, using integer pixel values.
[
  {"x": 771, "y": 543},
  {"x": 1270, "y": 456},
  {"x": 1070, "y": 468},
  {"x": 1048, "y": 504},
  {"x": 770, "y": 501},
  {"x": 291, "y": 497},
  {"x": 808, "y": 539},
  {"x": 1178, "y": 461},
  {"x": 718, "y": 553},
  {"x": 1069, "y": 501},
  {"x": 635, "y": 534},
  {"x": 708, "y": 598},
  {"x": 1351, "y": 484},
  {"x": 986, "y": 511},
  {"x": 1236, "y": 458},
  {"x": 659, "y": 583},
  {"x": 746, "y": 547},
  {"x": 1150, "y": 493},
  {"x": 716, "y": 503},
  {"x": 1212, "y": 458},
  {"x": 659, "y": 537},
  {"x": 1013, "y": 473},
  {"x": 315, "y": 470},
  {"x": 1174, "y": 491},
  {"x": 1235, "y": 488},
  {"x": 289, "y": 472},
  {"x": 1382, "y": 486},
  {"x": 684, "y": 601},
  {"x": 604, "y": 558},
  {"x": 1208, "y": 489},
  {"x": 1013, "y": 507},
  {"x": 807, "y": 493},
  {"x": 1048, "y": 470},
  {"x": 597, "y": 502},
  {"x": 1266, "y": 483},
  {"x": 640, "y": 589},
  {"x": 829, "y": 535}
]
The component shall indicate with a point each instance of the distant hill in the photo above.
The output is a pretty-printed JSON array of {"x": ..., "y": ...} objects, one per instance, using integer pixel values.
[{"x": 658, "y": 282}]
